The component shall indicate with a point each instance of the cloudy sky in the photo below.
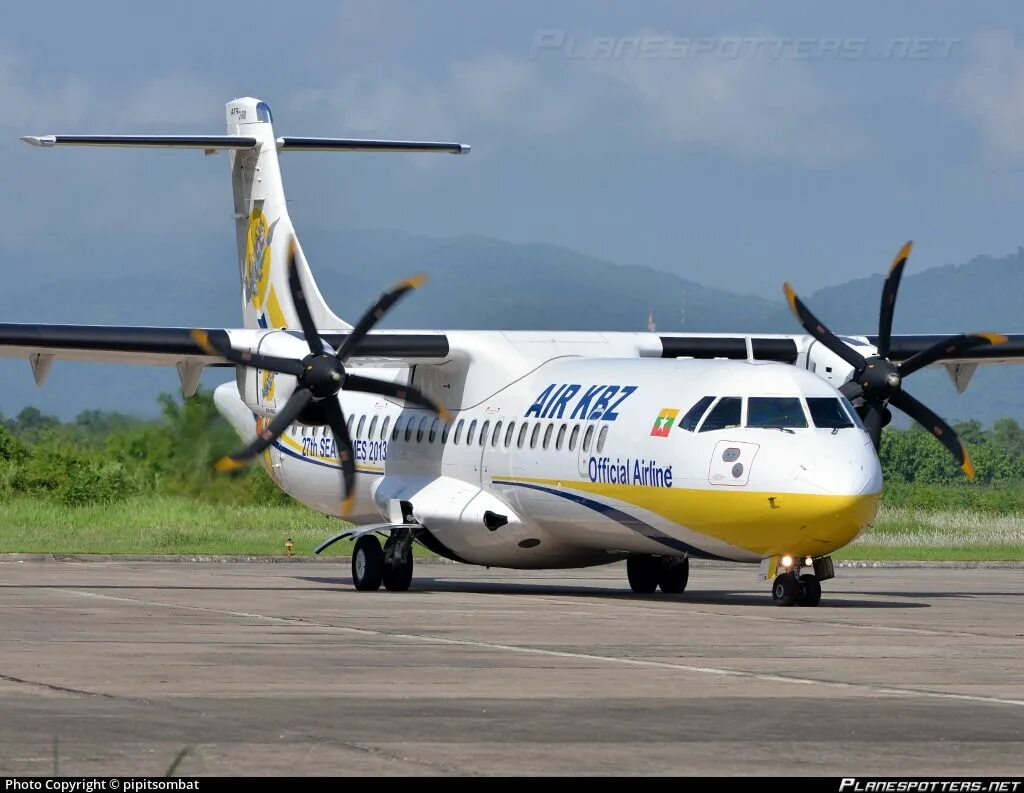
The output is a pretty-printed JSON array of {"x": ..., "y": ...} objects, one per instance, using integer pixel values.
[{"x": 730, "y": 143}]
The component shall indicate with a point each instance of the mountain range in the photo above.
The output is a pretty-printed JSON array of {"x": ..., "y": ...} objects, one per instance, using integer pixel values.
[{"x": 475, "y": 282}]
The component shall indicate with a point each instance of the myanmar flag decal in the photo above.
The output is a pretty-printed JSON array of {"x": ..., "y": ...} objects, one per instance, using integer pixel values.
[{"x": 663, "y": 424}]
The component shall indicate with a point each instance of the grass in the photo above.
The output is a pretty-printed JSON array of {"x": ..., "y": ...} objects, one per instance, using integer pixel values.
[
  {"x": 178, "y": 525},
  {"x": 904, "y": 533},
  {"x": 162, "y": 525}
]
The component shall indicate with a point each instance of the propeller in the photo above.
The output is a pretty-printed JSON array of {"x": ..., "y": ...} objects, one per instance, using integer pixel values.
[
  {"x": 878, "y": 382},
  {"x": 319, "y": 377}
]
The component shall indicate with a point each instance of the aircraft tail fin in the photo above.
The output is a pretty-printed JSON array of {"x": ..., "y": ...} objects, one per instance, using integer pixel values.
[{"x": 263, "y": 230}]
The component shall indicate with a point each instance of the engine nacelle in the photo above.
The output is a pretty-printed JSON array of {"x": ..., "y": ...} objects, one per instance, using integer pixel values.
[
  {"x": 829, "y": 366},
  {"x": 264, "y": 392}
]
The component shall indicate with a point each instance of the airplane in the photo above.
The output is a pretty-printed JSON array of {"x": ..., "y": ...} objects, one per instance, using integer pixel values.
[{"x": 533, "y": 449}]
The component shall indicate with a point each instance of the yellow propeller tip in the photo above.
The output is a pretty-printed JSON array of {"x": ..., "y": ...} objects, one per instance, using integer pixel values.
[
  {"x": 413, "y": 283},
  {"x": 228, "y": 464},
  {"x": 790, "y": 296},
  {"x": 346, "y": 505},
  {"x": 445, "y": 414},
  {"x": 202, "y": 339},
  {"x": 968, "y": 463},
  {"x": 993, "y": 338}
]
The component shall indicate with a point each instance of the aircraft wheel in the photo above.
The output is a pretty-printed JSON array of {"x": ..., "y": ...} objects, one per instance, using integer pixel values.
[
  {"x": 367, "y": 564},
  {"x": 398, "y": 577},
  {"x": 674, "y": 575},
  {"x": 810, "y": 590},
  {"x": 643, "y": 572},
  {"x": 786, "y": 590}
]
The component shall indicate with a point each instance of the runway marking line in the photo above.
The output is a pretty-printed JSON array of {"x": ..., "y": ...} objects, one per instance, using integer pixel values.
[{"x": 512, "y": 648}]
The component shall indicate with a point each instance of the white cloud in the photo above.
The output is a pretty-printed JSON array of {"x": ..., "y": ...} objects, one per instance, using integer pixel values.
[
  {"x": 752, "y": 106},
  {"x": 990, "y": 91}
]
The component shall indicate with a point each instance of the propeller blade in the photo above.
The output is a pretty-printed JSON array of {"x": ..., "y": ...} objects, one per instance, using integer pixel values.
[
  {"x": 282, "y": 421},
  {"x": 212, "y": 346},
  {"x": 404, "y": 393},
  {"x": 818, "y": 330},
  {"x": 346, "y": 456},
  {"x": 948, "y": 347},
  {"x": 935, "y": 425},
  {"x": 892, "y": 286},
  {"x": 851, "y": 390},
  {"x": 376, "y": 311},
  {"x": 873, "y": 419},
  {"x": 316, "y": 346}
]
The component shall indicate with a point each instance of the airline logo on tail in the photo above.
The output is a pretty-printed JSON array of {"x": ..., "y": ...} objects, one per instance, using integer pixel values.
[{"x": 256, "y": 279}]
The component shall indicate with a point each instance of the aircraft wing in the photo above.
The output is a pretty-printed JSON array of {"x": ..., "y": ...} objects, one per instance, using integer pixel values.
[
  {"x": 160, "y": 346},
  {"x": 903, "y": 347}
]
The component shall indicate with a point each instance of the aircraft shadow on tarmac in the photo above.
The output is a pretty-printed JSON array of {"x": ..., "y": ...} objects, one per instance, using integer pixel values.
[{"x": 705, "y": 597}]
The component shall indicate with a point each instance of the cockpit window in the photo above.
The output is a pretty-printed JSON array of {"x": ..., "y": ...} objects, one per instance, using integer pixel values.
[
  {"x": 827, "y": 413},
  {"x": 723, "y": 415},
  {"x": 692, "y": 417},
  {"x": 852, "y": 411},
  {"x": 775, "y": 412}
]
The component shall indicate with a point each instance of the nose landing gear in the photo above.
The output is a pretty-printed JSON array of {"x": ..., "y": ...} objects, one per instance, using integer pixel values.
[
  {"x": 789, "y": 590},
  {"x": 792, "y": 589}
]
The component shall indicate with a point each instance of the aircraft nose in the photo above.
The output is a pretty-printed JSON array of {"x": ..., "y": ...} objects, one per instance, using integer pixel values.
[{"x": 850, "y": 468}]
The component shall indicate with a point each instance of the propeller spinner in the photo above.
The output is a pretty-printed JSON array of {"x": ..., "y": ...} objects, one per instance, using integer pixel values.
[
  {"x": 319, "y": 377},
  {"x": 877, "y": 381}
]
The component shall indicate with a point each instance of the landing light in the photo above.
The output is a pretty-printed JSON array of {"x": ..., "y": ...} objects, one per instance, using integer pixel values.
[
  {"x": 787, "y": 561},
  {"x": 809, "y": 562}
]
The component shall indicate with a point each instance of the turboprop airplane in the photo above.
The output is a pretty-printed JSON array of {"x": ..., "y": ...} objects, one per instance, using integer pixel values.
[{"x": 533, "y": 449}]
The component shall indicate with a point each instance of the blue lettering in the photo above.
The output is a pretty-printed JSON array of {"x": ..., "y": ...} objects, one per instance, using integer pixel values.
[
  {"x": 603, "y": 401},
  {"x": 551, "y": 402},
  {"x": 609, "y": 413},
  {"x": 583, "y": 406},
  {"x": 557, "y": 409},
  {"x": 537, "y": 408}
]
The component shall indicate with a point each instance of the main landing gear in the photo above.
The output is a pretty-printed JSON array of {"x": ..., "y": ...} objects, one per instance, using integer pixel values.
[
  {"x": 391, "y": 565},
  {"x": 648, "y": 573}
]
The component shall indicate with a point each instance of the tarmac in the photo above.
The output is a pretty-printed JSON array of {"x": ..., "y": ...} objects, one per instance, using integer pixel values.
[{"x": 117, "y": 667}]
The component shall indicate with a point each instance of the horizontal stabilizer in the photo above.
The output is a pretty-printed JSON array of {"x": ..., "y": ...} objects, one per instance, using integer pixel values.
[
  {"x": 202, "y": 142},
  {"x": 210, "y": 143},
  {"x": 355, "y": 144}
]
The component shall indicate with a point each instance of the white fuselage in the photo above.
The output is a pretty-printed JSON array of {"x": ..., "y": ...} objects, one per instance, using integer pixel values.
[{"x": 574, "y": 463}]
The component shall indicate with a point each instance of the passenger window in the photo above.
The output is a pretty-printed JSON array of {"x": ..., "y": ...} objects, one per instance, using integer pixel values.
[
  {"x": 359, "y": 426},
  {"x": 421, "y": 429},
  {"x": 693, "y": 415},
  {"x": 398, "y": 428},
  {"x": 522, "y": 434},
  {"x": 472, "y": 433},
  {"x": 351, "y": 422},
  {"x": 723, "y": 415},
  {"x": 588, "y": 437},
  {"x": 409, "y": 428},
  {"x": 444, "y": 432},
  {"x": 370, "y": 433},
  {"x": 497, "y": 434},
  {"x": 458, "y": 432},
  {"x": 827, "y": 413},
  {"x": 483, "y": 433},
  {"x": 384, "y": 428},
  {"x": 509, "y": 433},
  {"x": 534, "y": 436},
  {"x": 433, "y": 430},
  {"x": 601, "y": 438},
  {"x": 547, "y": 435},
  {"x": 560, "y": 439},
  {"x": 573, "y": 437},
  {"x": 775, "y": 413}
]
